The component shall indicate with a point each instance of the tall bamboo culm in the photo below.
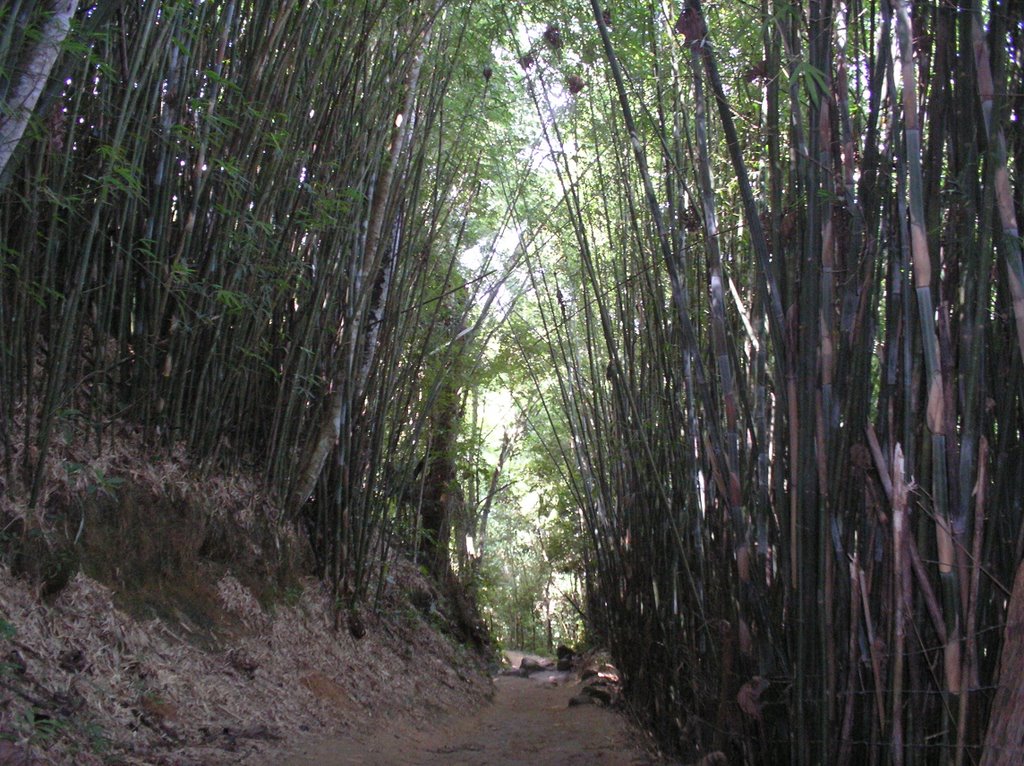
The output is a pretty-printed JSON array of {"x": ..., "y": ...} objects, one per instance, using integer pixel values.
[
  {"x": 791, "y": 378},
  {"x": 210, "y": 231}
]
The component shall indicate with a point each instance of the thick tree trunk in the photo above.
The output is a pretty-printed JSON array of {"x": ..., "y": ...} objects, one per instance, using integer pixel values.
[
  {"x": 1004, "y": 742},
  {"x": 441, "y": 494}
]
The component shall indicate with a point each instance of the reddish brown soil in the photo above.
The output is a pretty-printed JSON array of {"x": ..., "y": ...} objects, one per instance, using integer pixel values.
[{"x": 527, "y": 723}]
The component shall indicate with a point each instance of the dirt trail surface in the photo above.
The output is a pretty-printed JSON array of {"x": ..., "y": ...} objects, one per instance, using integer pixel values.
[{"x": 528, "y": 723}]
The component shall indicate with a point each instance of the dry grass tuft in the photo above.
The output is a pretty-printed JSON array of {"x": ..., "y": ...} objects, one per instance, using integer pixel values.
[{"x": 145, "y": 692}]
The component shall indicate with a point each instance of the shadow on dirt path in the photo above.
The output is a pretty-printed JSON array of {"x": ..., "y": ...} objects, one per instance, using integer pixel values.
[{"x": 528, "y": 723}]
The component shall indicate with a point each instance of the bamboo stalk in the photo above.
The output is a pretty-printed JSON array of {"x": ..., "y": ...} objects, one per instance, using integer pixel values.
[
  {"x": 970, "y": 657},
  {"x": 873, "y": 648},
  {"x": 33, "y": 75},
  {"x": 1004, "y": 194},
  {"x": 935, "y": 407},
  {"x": 902, "y": 597},
  {"x": 731, "y": 492}
]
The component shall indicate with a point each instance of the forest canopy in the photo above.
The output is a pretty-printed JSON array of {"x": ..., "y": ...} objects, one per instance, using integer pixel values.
[{"x": 746, "y": 279}]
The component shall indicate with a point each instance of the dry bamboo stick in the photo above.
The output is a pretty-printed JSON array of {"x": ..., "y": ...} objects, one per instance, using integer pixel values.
[{"x": 901, "y": 595}]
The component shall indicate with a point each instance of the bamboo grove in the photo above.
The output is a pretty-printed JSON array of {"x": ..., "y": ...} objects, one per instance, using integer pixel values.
[
  {"x": 770, "y": 327},
  {"x": 788, "y": 351},
  {"x": 236, "y": 225}
]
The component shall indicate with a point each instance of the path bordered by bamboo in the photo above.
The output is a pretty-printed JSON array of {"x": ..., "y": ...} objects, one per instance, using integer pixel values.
[{"x": 528, "y": 723}]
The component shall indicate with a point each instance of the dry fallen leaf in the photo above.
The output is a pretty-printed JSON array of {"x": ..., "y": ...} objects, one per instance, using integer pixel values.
[{"x": 749, "y": 697}]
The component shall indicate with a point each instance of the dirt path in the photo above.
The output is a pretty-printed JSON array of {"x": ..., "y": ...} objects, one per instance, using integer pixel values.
[{"x": 528, "y": 723}]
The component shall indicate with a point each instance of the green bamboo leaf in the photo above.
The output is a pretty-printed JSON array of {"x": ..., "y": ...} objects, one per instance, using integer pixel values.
[{"x": 814, "y": 82}]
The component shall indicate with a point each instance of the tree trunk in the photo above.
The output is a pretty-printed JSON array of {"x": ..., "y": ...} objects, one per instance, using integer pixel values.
[
  {"x": 440, "y": 491},
  {"x": 1005, "y": 739}
]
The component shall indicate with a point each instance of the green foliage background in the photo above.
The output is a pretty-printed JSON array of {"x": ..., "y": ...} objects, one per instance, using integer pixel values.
[{"x": 749, "y": 273}]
